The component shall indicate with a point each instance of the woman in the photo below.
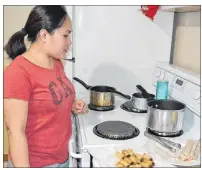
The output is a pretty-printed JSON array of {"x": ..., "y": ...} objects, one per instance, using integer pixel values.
[{"x": 38, "y": 97}]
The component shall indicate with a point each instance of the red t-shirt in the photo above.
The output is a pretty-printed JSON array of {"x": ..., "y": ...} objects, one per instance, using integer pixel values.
[{"x": 50, "y": 96}]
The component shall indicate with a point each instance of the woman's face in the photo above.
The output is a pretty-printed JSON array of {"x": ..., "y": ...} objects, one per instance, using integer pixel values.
[{"x": 59, "y": 42}]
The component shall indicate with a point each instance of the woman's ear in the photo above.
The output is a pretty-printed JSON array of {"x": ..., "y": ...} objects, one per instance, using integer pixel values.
[{"x": 43, "y": 35}]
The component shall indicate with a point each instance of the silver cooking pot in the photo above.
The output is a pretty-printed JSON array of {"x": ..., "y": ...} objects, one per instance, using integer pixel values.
[
  {"x": 101, "y": 96},
  {"x": 165, "y": 116},
  {"x": 140, "y": 102}
]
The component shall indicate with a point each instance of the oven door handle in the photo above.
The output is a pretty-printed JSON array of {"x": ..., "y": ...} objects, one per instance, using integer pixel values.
[{"x": 71, "y": 150}]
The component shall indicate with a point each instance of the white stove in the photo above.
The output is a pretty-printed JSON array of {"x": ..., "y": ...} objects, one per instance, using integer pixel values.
[
  {"x": 94, "y": 118},
  {"x": 186, "y": 93}
]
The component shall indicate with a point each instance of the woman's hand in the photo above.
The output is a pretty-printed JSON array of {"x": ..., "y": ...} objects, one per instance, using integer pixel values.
[{"x": 79, "y": 107}]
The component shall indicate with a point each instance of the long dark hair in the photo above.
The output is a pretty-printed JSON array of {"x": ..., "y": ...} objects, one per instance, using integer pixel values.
[{"x": 49, "y": 17}]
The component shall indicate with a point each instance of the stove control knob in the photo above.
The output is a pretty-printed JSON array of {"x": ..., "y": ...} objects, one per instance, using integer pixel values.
[
  {"x": 162, "y": 75},
  {"x": 197, "y": 95},
  {"x": 158, "y": 73}
]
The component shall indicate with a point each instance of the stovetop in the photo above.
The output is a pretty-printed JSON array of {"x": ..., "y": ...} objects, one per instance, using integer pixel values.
[{"x": 89, "y": 121}]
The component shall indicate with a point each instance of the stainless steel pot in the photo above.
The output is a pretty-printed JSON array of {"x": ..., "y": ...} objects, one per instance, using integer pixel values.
[
  {"x": 165, "y": 116},
  {"x": 101, "y": 96},
  {"x": 140, "y": 102}
]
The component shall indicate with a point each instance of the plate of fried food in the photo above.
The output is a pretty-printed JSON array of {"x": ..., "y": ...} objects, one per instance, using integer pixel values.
[{"x": 127, "y": 158}]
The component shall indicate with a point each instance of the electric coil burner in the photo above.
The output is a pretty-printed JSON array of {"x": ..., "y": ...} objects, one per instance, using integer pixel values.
[
  {"x": 174, "y": 134},
  {"x": 116, "y": 130},
  {"x": 128, "y": 106},
  {"x": 101, "y": 108}
]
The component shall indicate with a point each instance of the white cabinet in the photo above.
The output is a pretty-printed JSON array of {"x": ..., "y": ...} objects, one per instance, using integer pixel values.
[{"x": 180, "y": 8}]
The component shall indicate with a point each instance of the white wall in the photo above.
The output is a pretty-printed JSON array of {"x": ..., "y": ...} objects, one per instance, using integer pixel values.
[
  {"x": 119, "y": 46},
  {"x": 15, "y": 18}
]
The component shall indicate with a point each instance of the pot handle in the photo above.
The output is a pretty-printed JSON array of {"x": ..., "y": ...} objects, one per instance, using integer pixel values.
[
  {"x": 84, "y": 84},
  {"x": 121, "y": 94},
  {"x": 144, "y": 92},
  {"x": 150, "y": 99}
]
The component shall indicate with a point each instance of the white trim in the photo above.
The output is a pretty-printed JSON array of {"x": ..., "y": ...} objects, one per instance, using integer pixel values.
[{"x": 189, "y": 76}]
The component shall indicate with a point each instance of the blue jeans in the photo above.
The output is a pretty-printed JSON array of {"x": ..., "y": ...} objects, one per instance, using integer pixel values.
[{"x": 56, "y": 165}]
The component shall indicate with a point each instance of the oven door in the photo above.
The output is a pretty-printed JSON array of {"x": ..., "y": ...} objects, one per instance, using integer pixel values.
[
  {"x": 73, "y": 156},
  {"x": 76, "y": 149},
  {"x": 78, "y": 160},
  {"x": 73, "y": 161}
]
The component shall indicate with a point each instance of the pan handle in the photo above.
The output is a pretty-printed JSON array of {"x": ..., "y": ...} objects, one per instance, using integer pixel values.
[
  {"x": 84, "y": 84},
  {"x": 144, "y": 92},
  {"x": 121, "y": 94}
]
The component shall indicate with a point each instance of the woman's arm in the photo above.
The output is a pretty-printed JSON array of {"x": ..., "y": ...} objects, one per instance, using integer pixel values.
[{"x": 15, "y": 116}]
